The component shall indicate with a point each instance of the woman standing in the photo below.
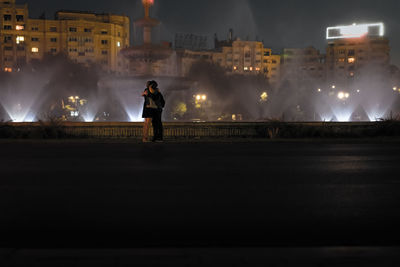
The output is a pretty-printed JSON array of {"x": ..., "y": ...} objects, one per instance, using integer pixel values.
[
  {"x": 152, "y": 112},
  {"x": 149, "y": 108}
]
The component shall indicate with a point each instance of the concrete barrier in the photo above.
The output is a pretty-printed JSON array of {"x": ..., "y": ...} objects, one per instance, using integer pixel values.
[{"x": 194, "y": 130}]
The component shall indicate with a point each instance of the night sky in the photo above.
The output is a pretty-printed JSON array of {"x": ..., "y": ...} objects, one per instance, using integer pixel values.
[{"x": 283, "y": 23}]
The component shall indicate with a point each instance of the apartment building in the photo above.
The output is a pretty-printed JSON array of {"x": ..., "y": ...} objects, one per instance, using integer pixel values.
[{"x": 85, "y": 37}]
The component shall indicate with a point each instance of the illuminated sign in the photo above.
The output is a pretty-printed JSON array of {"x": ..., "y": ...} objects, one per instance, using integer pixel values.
[{"x": 355, "y": 31}]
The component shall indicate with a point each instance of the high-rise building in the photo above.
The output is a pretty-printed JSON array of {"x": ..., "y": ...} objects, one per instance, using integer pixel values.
[
  {"x": 85, "y": 37},
  {"x": 355, "y": 48}
]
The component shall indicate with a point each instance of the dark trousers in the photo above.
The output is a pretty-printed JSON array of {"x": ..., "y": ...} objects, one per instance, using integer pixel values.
[{"x": 158, "y": 129}]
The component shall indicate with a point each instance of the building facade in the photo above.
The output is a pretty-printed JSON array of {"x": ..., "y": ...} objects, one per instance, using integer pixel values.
[
  {"x": 347, "y": 59},
  {"x": 237, "y": 57},
  {"x": 85, "y": 37},
  {"x": 303, "y": 64}
]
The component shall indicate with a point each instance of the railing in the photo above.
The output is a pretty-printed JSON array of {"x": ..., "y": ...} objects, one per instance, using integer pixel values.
[{"x": 191, "y": 130}]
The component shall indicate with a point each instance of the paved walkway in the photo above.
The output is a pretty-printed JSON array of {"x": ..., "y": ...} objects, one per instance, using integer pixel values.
[{"x": 80, "y": 194}]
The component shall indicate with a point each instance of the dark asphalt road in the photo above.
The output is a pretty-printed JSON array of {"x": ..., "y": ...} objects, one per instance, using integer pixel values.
[{"x": 240, "y": 194}]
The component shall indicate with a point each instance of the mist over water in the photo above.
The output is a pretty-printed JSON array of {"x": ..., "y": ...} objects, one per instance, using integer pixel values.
[{"x": 42, "y": 92}]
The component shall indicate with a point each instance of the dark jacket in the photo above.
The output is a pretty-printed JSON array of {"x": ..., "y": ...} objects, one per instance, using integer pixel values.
[{"x": 158, "y": 98}]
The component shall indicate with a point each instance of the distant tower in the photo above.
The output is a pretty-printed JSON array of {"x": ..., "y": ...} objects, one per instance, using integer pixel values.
[
  {"x": 147, "y": 23},
  {"x": 142, "y": 58}
]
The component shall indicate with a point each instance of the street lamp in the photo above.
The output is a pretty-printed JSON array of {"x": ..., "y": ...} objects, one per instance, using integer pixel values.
[
  {"x": 343, "y": 95},
  {"x": 201, "y": 97}
]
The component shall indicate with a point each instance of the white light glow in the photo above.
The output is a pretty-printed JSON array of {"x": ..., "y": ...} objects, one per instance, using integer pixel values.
[
  {"x": 353, "y": 31},
  {"x": 20, "y": 39},
  {"x": 135, "y": 115}
]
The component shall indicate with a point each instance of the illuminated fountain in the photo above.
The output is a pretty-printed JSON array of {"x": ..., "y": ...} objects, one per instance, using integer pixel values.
[
  {"x": 20, "y": 99},
  {"x": 144, "y": 60}
]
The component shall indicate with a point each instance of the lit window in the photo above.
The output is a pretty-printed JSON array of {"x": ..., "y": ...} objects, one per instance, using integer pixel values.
[
  {"x": 246, "y": 68},
  {"x": 35, "y": 50},
  {"x": 20, "y": 27},
  {"x": 351, "y": 60},
  {"x": 8, "y": 69},
  {"x": 234, "y": 67},
  {"x": 251, "y": 68},
  {"x": 119, "y": 44},
  {"x": 20, "y": 39}
]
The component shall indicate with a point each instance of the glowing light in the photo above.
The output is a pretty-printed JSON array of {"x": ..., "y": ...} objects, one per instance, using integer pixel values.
[
  {"x": 204, "y": 97},
  {"x": 119, "y": 44},
  {"x": 198, "y": 97},
  {"x": 20, "y": 113},
  {"x": 355, "y": 31},
  {"x": 333, "y": 86},
  {"x": 20, "y": 39},
  {"x": 351, "y": 60},
  {"x": 74, "y": 113},
  {"x": 87, "y": 117},
  {"x": 343, "y": 95},
  {"x": 358, "y": 91},
  {"x": 319, "y": 90},
  {"x": 234, "y": 67},
  {"x": 35, "y": 50},
  {"x": 264, "y": 96},
  {"x": 8, "y": 69},
  {"x": 19, "y": 27},
  {"x": 134, "y": 115},
  {"x": 148, "y": 2},
  {"x": 394, "y": 88}
]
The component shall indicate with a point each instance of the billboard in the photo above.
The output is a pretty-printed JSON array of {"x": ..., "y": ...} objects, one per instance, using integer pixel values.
[{"x": 355, "y": 31}]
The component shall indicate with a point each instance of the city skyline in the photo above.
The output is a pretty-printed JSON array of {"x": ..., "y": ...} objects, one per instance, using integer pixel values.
[{"x": 288, "y": 24}]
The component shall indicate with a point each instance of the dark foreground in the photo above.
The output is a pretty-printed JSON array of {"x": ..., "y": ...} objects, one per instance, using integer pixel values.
[{"x": 297, "y": 203}]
